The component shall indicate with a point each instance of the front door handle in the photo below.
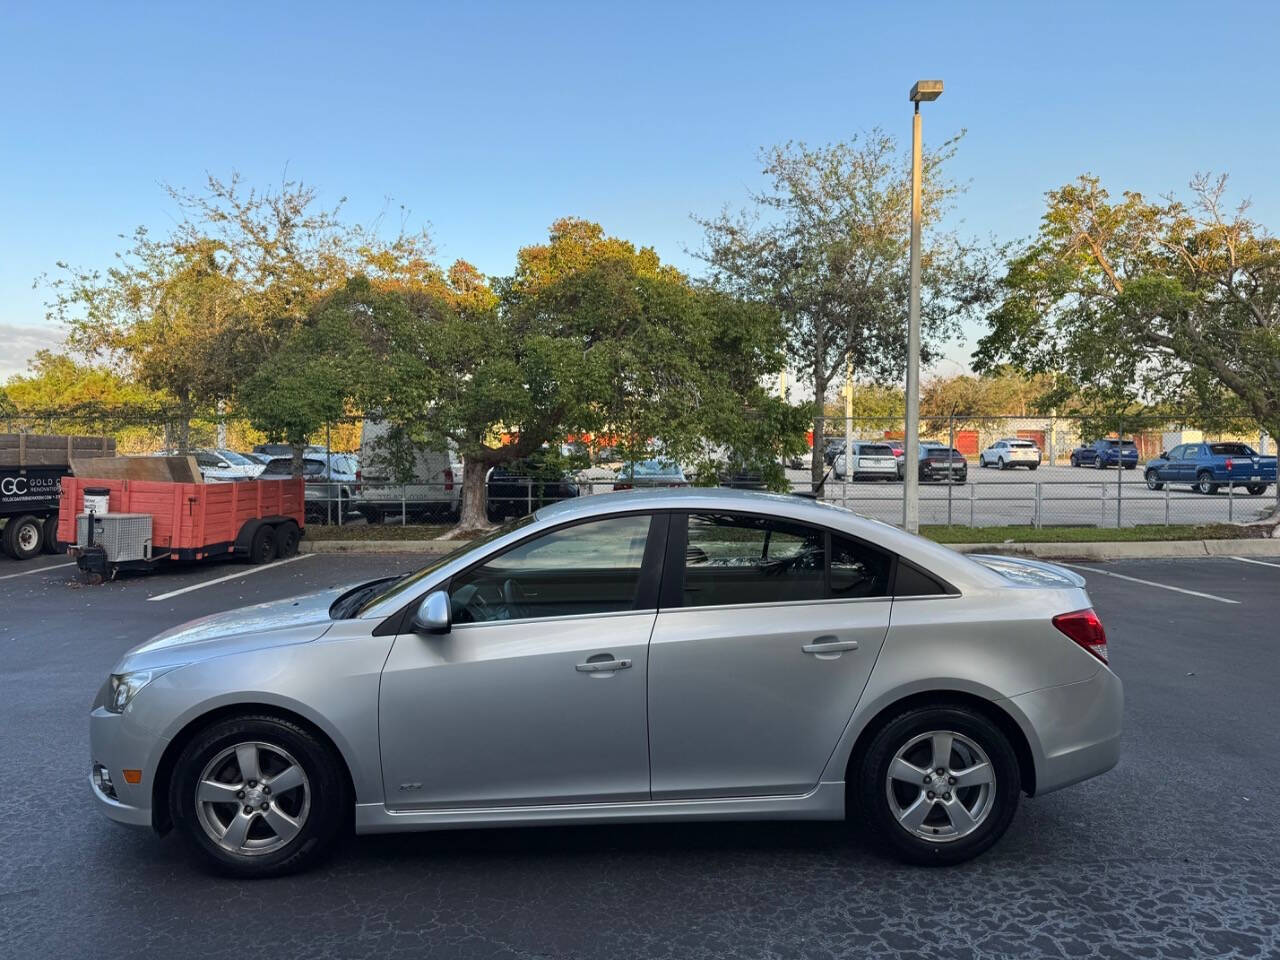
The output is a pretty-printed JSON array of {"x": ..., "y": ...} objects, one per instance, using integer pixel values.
[
  {"x": 824, "y": 647},
  {"x": 605, "y": 665}
]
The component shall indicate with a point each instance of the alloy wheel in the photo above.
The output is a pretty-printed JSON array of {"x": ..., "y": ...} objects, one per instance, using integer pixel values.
[
  {"x": 253, "y": 798},
  {"x": 941, "y": 786}
]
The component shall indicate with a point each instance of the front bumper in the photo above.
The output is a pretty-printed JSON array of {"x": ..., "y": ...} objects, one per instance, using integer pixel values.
[
  {"x": 118, "y": 743},
  {"x": 1076, "y": 729}
]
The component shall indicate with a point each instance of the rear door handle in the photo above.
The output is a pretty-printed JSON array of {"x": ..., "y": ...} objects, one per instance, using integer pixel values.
[
  {"x": 603, "y": 666},
  {"x": 829, "y": 644}
]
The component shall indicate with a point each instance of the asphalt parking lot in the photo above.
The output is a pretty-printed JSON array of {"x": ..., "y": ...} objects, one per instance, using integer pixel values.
[
  {"x": 1172, "y": 854},
  {"x": 1068, "y": 496}
]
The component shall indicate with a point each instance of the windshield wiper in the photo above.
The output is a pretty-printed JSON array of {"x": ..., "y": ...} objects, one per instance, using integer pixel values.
[{"x": 353, "y": 600}]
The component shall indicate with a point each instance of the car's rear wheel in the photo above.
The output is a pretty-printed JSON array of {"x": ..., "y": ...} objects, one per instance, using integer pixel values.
[
  {"x": 937, "y": 785},
  {"x": 258, "y": 796},
  {"x": 1001, "y": 464},
  {"x": 1256, "y": 489},
  {"x": 1205, "y": 484},
  {"x": 1153, "y": 481}
]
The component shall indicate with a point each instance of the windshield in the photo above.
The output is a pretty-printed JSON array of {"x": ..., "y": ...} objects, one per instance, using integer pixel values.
[
  {"x": 408, "y": 583},
  {"x": 232, "y": 457}
]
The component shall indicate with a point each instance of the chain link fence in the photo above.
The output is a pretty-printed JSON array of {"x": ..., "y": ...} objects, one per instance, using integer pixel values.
[{"x": 1088, "y": 471}]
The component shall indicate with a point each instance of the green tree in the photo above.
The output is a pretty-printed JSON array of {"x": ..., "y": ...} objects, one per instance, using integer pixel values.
[
  {"x": 187, "y": 313},
  {"x": 314, "y": 373},
  {"x": 828, "y": 248},
  {"x": 589, "y": 335},
  {"x": 1147, "y": 303},
  {"x": 61, "y": 395}
]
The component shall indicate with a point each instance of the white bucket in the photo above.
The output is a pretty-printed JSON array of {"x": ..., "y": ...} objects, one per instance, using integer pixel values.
[{"x": 96, "y": 503}]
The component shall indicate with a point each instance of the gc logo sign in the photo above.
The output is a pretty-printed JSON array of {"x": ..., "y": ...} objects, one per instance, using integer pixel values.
[{"x": 13, "y": 486}]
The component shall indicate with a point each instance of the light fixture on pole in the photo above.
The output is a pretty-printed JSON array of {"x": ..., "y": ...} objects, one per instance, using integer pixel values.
[{"x": 922, "y": 90}]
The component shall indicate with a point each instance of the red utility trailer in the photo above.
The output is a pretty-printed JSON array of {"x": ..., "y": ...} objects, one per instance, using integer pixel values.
[{"x": 150, "y": 522}]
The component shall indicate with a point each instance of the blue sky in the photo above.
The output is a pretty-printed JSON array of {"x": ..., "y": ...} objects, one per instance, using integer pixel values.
[{"x": 489, "y": 120}]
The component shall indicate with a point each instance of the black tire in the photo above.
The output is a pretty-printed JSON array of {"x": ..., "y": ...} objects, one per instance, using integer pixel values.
[
  {"x": 1075, "y": 461},
  {"x": 1256, "y": 489},
  {"x": 23, "y": 537},
  {"x": 1205, "y": 484},
  {"x": 51, "y": 542},
  {"x": 326, "y": 791},
  {"x": 1099, "y": 464},
  {"x": 1153, "y": 482},
  {"x": 287, "y": 537},
  {"x": 262, "y": 549},
  {"x": 1033, "y": 466},
  {"x": 1131, "y": 466},
  {"x": 868, "y": 787},
  {"x": 1001, "y": 464}
]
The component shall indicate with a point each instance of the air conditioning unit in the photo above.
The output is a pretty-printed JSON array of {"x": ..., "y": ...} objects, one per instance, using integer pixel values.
[{"x": 122, "y": 536}]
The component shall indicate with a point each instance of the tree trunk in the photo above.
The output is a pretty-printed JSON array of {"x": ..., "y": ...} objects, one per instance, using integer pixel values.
[
  {"x": 473, "y": 514},
  {"x": 295, "y": 469},
  {"x": 817, "y": 466}
]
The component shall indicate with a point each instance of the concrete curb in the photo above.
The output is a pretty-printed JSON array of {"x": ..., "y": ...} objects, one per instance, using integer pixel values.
[
  {"x": 1096, "y": 550},
  {"x": 1128, "y": 549},
  {"x": 430, "y": 547}
]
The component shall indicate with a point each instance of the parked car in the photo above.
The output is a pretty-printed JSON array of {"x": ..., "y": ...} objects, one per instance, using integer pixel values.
[
  {"x": 1010, "y": 452},
  {"x": 799, "y": 461},
  {"x": 535, "y": 676},
  {"x": 1107, "y": 452},
  {"x": 405, "y": 481},
  {"x": 940, "y": 462},
  {"x": 221, "y": 465},
  {"x": 832, "y": 449},
  {"x": 1206, "y": 467},
  {"x": 331, "y": 489},
  {"x": 519, "y": 488},
  {"x": 649, "y": 473},
  {"x": 872, "y": 460}
]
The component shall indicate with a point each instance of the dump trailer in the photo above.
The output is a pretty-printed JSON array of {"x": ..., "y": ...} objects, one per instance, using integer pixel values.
[
  {"x": 116, "y": 523},
  {"x": 32, "y": 467}
]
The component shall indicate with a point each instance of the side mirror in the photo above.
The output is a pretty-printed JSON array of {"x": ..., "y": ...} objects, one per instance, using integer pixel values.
[
  {"x": 433, "y": 614},
  {"x": 1164, "y": 454}
]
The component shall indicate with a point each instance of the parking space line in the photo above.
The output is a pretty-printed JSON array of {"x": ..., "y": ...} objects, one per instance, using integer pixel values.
[
  {"x": 1261, "y": 563},
  {"x": 54, "y": 566},
  {"x": 1149, "y": 583},
  {"x": 230, "y": 576}
]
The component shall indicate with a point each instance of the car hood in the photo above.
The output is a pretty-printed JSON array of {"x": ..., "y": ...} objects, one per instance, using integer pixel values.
[
  {"x": 298, "y": 619},
  {"x": 1029, "y": 573}
]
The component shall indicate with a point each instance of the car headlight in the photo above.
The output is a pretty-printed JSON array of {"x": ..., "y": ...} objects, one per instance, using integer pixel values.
[{"x": 123, "y": 687}]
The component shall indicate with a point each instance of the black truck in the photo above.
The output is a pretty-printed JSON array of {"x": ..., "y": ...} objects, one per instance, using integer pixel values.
[{"x": 31, "y": 470}]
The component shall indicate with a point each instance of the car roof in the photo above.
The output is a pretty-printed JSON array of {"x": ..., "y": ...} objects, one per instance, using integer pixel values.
[{"x": 934, "y": 557}]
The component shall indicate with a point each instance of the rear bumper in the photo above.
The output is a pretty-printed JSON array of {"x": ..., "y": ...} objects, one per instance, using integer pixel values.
[{"x": 1076, "y": 729}]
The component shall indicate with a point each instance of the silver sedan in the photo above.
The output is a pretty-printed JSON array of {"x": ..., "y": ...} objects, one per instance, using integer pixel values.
[{"x": 669, "y": 655}]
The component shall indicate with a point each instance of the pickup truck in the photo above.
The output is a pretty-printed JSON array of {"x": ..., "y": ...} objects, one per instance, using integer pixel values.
[
  {"x": 1106, "y": 453},
  {"x": 1208, "y": 466}
]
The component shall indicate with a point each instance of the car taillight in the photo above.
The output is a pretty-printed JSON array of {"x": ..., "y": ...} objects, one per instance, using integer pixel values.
[
  {"x": 1228, "y": 463},
  {"x": 448, "y": 478},
  {"x": 1084, "y": 627}
]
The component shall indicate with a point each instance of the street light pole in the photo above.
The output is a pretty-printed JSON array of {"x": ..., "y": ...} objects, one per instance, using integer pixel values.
[{"x": 920, "y": 91}]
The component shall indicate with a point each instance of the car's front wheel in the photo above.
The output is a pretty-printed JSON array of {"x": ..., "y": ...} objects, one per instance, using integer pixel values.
[
  {"x": 258, "y": 796},
  {"x": 1153, "y": 480},
  {"x": 937, "y": 785}
]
